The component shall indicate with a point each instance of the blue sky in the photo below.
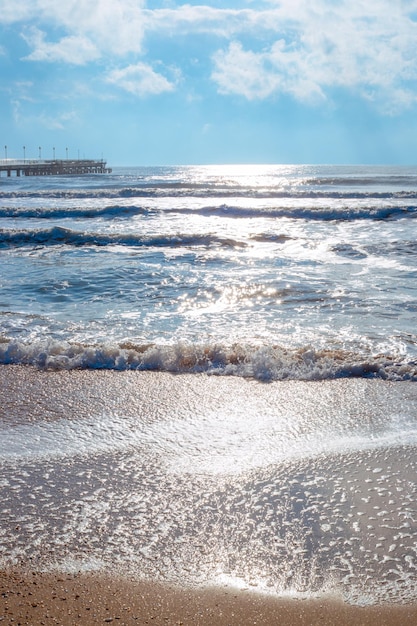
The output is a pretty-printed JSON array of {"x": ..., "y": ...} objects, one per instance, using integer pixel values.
[{"x": 249, "y": 81}]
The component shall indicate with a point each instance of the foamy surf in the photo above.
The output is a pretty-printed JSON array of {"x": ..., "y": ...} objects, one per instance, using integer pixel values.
[{"x": 259, "y": 362}]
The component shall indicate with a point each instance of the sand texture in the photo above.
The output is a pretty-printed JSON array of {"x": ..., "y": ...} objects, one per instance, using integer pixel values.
[
  {"x": 206, "y": 487},
  {"x": 84, "y": 599}
]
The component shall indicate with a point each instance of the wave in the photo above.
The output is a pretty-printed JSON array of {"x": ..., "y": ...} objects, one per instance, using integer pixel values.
[
  {"x": 204, "y": 191},
  {"x": 341, "y": 213},
  {"x": 74, "y": 212},
  {"x": 264, "y": 363},
  {"x": 364, "y": 181},
  {"x": 64, "y": 236},
  {"x": 321, "y": 213}
]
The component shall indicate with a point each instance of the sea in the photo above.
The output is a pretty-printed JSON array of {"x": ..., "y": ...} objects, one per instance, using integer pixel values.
[
  {"x": 271, "y": 272},
  {"x": 207, "y": 376}
]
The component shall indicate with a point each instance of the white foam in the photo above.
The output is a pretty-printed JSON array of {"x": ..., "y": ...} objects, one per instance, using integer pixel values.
[
  {"x": 65, "y": 438},
  {"x": 262, "y": 362},
  {"x": 230, "y": 444},
  {"x": 213, "y": 442}
]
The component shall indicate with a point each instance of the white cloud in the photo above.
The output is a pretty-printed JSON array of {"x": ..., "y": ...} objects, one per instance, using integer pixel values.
[
  {"x": 57, "y": 122},
  {"x": 74, "y": 50},
  {"x": 111, "y": 26},
  {"x": 187, "y": 19},
  {"x": 140, "y": 80},
  {"x": 304, "y": 48},
  {"x": 366, "y": 47},
  {"x": 114, "y": 26},
  {"x": 23, "y": 117},
  {"x": 12, "y": 12},
  {"x": 242, "y": 72}
]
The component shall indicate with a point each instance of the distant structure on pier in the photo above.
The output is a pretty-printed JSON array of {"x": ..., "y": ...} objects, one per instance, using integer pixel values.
[{"x": 54, "y": 167}]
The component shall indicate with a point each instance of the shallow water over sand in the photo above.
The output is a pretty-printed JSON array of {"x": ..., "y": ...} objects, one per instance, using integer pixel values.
[{"x": 293, "y": 488}]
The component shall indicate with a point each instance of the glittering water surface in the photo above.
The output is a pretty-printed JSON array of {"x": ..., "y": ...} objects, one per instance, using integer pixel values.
[{"x": 266, "y": 271}]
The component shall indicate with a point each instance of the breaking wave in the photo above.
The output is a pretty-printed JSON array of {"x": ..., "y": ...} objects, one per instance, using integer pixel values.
[
  {"x": 64, "y": 236},
  {"x": 323, "y": 212},
  {"x": 264, "y": 363},
  {"x": 205, "y": 191},
  {"x": 79, "y": 212}
]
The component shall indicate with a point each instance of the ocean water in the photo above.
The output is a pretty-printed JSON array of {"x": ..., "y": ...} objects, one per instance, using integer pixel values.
[
  {"x": 270, "y": 272},
  {"x": 207, "y": 377}
]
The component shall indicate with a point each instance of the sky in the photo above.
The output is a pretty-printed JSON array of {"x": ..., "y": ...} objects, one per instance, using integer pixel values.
[{"x": 161, "y": 82}]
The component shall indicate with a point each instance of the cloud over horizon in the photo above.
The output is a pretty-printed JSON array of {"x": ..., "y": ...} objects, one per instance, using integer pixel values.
[
  {"x": 314, "y": 53},
  {"x": 299, "y": 48}
]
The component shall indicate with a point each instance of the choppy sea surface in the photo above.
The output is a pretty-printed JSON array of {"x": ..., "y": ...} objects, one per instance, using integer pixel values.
[
  {"x": 272, "y": 272},
  {"x": 281, "y": 457}
]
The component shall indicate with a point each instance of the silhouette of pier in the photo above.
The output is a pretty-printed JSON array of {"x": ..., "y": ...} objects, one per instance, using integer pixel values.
[{"x": 53, "y": 167}]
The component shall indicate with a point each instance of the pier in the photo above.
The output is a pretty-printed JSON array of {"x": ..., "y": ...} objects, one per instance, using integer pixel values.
[{"x": 53, "y": 167}]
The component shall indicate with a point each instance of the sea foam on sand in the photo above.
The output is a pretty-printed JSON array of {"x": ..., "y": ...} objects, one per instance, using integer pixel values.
[{"x": 291, "y": 489}]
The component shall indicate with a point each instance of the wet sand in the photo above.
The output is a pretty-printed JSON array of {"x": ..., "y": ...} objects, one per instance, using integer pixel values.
[
  {"x": 110, "y": 478},
  {"x": 84, "y": 599}
]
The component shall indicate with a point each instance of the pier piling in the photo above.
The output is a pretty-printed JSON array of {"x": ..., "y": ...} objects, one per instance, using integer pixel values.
[{"x": 54, "y": 167}]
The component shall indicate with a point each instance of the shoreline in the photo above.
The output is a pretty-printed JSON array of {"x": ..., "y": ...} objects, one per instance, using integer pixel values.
[
  {"x": 95, "y": 598},
  {"x": 163, "y": 480}
]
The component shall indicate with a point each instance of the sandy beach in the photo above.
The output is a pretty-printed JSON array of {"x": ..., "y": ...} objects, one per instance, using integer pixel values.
[
  {"x": 84, "y": 599},
  {"x": 151, "y": 498}
]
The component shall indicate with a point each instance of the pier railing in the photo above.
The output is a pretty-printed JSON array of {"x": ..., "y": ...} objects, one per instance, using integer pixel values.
[{"x": 53, "y": 167}]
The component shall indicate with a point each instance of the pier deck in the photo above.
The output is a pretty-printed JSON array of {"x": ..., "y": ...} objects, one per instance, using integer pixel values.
[{"x": 54, "y": 167}]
